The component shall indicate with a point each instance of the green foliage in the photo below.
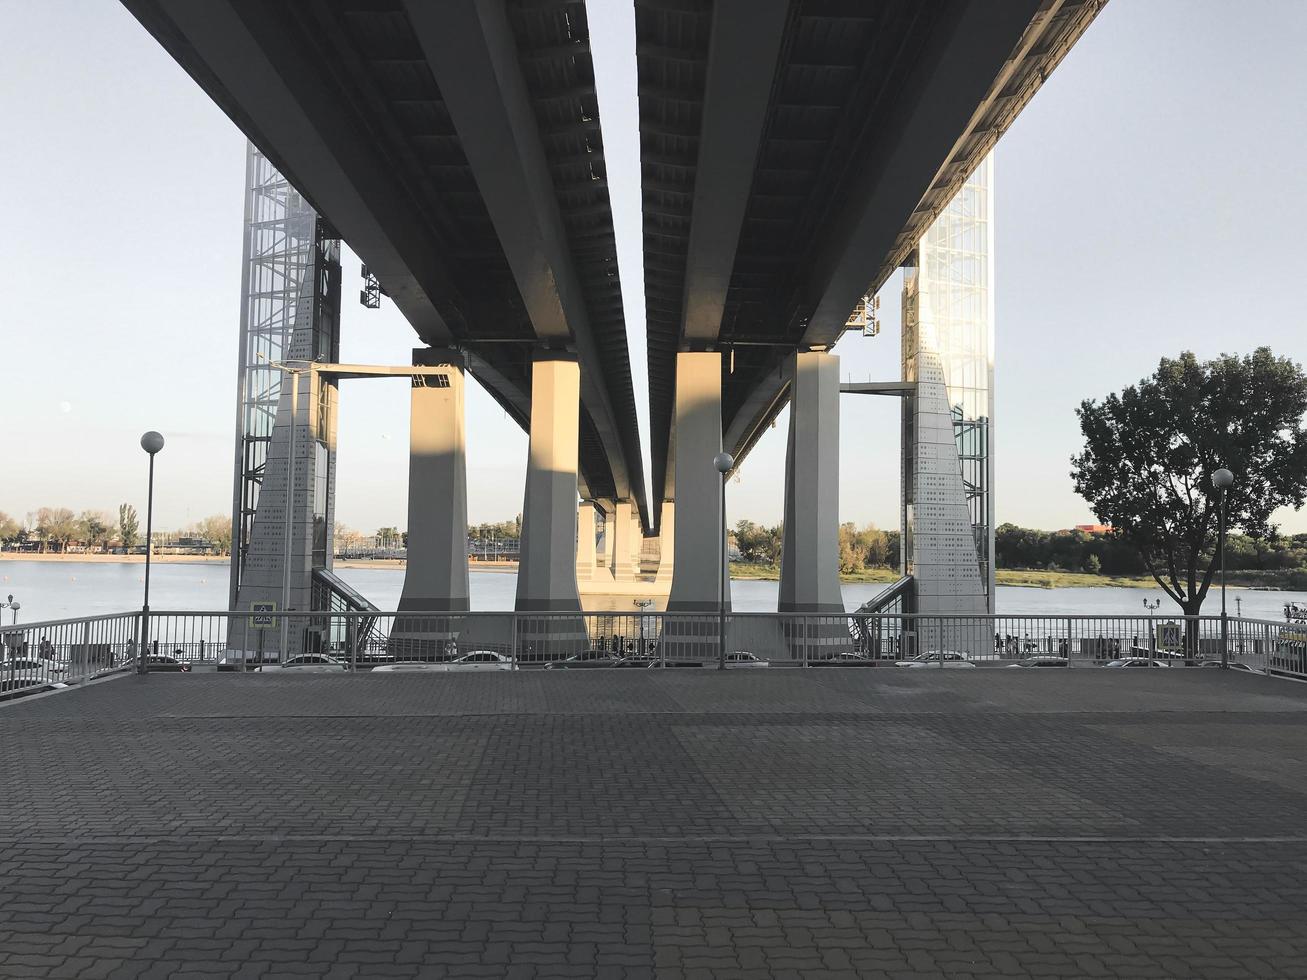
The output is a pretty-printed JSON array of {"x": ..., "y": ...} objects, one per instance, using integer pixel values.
[
  {"x": 216, "y": 530},
  {"x": 867, "y": 547},
  {"x": 93, "y": 529},
  {"x": 1150, "y": 452},
  {"x": 10, "y": 529},
  {"x": 129, "y": 529},
  {"x": 55, "y": 526},
  {"x": 759, "y": 544}
]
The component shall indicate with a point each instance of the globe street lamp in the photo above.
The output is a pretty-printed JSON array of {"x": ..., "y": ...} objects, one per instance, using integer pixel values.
[
  {"x": 1152, "y": 626},
  {"x": 724, "y": 462},
  {"x": 151, "y": 442},
  {"x": 17, "y": 638},
  {"x": 1222, "y": 480}
]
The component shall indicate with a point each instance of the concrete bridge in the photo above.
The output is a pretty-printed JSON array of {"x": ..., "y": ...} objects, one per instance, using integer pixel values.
[{"x": 793, "y": 154}]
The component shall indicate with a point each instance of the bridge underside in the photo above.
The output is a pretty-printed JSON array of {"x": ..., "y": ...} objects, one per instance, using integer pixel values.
[
  {"x": 793, "y": 152},
  {"x": 456, "y": 148}
]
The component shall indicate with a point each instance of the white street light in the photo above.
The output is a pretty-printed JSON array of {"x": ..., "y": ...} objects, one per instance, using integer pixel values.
[
  {"x": 1222, "y": 480},
  {"x": 152, "y": 443},
  {"x": 723, "y": 462}
]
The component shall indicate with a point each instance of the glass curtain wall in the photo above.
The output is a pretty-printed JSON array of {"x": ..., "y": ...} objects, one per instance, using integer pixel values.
[
  {"x": 289, "y": 256},
  {"x": 948, "y": 310}
]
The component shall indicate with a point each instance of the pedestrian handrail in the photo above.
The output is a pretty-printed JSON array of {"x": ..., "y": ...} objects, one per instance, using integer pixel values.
[{"x": 68, "y": 651}]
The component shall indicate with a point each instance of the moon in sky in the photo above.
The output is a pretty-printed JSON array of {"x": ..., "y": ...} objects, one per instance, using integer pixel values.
[{"x": 65, "y": 407}]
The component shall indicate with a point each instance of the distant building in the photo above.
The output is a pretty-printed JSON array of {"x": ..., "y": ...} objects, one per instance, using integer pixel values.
[{"x": 1093, "y": 528}]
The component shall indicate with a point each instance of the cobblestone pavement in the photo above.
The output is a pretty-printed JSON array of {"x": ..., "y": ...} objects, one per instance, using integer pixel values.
[{"x": 642, "y": 823}]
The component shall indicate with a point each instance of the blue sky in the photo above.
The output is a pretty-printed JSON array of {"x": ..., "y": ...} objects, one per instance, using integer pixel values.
[{"x": 1148, "y": 201}]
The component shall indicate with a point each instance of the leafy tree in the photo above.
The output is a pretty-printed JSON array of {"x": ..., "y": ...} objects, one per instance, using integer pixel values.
[
  {"x": 216, "y": 530},
  {"x": 129, "y": 529},
  {"x": 55, "y": 526},
  {"x": 9, "y": 528},
  {"x": 93, "y": 528},
  {"x": 1150, "y": 452}
]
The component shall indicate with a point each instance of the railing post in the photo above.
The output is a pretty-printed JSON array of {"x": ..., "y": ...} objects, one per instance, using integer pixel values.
[
  {"x": 351, "y": 641},
  {"x": 1068, "y": 640},
  {"x": 86, "y": 649},
  {"x": 512, "y": 634}
]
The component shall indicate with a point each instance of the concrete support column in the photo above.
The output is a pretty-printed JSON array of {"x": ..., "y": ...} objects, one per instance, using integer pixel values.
[
  {"x": 585, "y": 541},
  {"x": 666, "y": 543},
  {"x": 546, "y": 576},
  {"x": 436, "y": 577},
  {"x": 626, "y": 542},
  {"x": 810, "y": 573},
  {"x": 604, "y": 521},
  {"x": 700, "y": 531}
]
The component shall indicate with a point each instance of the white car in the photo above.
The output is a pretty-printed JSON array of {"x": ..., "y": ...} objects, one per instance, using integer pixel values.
[
  {"x": 950, "y": 658},
  {"x": 309, "y": 663},
  {"x": 743, "y": 658},
  {"x": 27, "y": 678},
  {"x": 480, "y": 660},
  {"x": 476, "y": 660},
  {"x": 1136, "y": 662},
  {"x": 38, "y": 667}
]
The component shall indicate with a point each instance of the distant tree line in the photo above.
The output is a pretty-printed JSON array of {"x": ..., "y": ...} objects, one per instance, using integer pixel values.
[
  {"x": 58, "y": 529},
  {"x": 1078, "y": 551},
  {"x": 859, "y": 547}
]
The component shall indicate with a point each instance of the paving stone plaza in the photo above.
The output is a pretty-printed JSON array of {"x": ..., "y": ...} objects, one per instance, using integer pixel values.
[{"x": 643, "y": 823}]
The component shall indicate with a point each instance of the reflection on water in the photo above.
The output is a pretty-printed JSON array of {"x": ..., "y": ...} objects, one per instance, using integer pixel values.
[{"x": 58, "y": 590}]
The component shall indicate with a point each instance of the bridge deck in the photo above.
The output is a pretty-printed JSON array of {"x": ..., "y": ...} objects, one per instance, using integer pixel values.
[{"x": 766, "y": 823}]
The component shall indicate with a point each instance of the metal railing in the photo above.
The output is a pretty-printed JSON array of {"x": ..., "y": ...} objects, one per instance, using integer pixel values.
[{"x": 39, "y": 655}]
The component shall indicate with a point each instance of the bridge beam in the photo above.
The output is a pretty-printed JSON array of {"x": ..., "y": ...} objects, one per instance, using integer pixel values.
[
  {"x": 473, "y": 55},
  {"x": 436, "y": 575},
  {"x": 746, "y": 37}
]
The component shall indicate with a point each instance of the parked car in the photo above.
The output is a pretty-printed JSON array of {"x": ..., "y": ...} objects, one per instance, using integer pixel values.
[
  {"x": 845, "y": 659},
  {"x": 43, "y": 667},
  {"x": 476, "y": 660},
  {"x": 309, "y": 663},
  {"x": 236, "y": 660},
  {"x": 657, "y": 663},
  {"x": 1136, "y": 662},
  {"x": 158, "y": 663},
  {"x": 646, "y": 661},
  {"x": 1234, "y": 665},
  {"x": 1040, "y": 662},
  {"x": 583, "y": 661},
  {"x": 28, "y": 682},
  {"x": 743, "y": 658},
  {"x": 950, "y": 658},
  {"x": 414, "y": 665}
]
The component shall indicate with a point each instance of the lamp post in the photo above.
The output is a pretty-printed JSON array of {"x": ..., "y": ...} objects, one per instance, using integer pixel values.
[
  {"x": 642, "y": 605},
  {"x": 723, "y": 462},
  {"x": 1222, "y": 480},
  {"x": 1152, "y": 626},
  {"x": 151, "y": 442},
  {"x": 287, "y": 529},
  {"x": 12, "y": 651}
]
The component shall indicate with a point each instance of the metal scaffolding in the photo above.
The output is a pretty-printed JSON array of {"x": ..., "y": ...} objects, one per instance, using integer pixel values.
[{"x": 290, "y": 310}]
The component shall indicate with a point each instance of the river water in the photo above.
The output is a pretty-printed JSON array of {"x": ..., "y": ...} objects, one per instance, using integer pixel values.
[{"x": 59, "y": 590}]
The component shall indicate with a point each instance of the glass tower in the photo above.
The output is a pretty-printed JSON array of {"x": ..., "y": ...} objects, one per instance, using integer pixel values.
[
  {"x": 290, "y": 311},
  {"x": 948, "y": 328}
]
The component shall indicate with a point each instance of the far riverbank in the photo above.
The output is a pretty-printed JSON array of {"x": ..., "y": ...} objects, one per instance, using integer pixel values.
[{"x": 1037, "y": 578}]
